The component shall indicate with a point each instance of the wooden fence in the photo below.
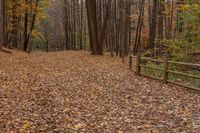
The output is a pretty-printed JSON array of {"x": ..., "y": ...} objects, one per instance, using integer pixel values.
[{"x": 166, "y": 70}]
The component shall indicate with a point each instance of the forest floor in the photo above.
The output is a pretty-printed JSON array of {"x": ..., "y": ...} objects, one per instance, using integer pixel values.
[{"x": 69, "y": 92}]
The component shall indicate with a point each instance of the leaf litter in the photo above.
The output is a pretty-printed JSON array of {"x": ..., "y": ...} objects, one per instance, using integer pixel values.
[{"x": 75, "y": 92}]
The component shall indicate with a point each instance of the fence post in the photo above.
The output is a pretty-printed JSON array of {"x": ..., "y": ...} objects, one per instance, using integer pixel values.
[
  {"x": 165, "y": 74},
  {"x": 130, "y": 62},
  {"x": 138, "y": 63}
]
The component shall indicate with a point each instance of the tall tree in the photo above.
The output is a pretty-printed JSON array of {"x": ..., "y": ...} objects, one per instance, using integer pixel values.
[
  {"x": 96, "y": 34},
  {"x": 153, "y": 24},
  {"x": 92, "y": 24},
  {"x": 137, "y": 44},
  {"x": 32, "y": 24},
  {"x": 3, "y": 26}
]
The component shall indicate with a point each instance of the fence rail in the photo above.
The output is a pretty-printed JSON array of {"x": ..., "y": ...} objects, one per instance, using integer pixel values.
[{"x": 166, "y": 70}]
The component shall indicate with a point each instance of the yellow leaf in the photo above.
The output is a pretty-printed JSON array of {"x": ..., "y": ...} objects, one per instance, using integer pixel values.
[
  {"x": 78, "y": 126},
  {"x": 26, "y": 125}
]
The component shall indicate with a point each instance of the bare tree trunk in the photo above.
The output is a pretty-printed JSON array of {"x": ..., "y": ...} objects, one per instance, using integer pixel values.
[
  {"x": 3, "y": 24},
  {"x": 92, "y": 24},
  {"x": 97, "y": 37},
  {"x": 31, "y": 28},
  {"x": 14, "y": 21},
  {"x": 139, "y": 29},
  {"x": 153, "y": 26}
]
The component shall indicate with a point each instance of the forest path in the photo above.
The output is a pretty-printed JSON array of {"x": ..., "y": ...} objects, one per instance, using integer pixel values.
[{"x": 76, "y": 92}]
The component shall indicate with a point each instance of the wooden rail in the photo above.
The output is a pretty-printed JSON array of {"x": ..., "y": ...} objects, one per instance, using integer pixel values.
[{"x": 165, "y": 70}]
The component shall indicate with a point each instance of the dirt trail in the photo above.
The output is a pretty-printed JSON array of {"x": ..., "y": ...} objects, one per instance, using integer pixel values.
[{"x": 66, "y": 92}]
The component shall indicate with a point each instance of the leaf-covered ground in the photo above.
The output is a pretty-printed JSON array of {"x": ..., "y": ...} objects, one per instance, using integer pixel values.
[{"x": 68, "y": 92}]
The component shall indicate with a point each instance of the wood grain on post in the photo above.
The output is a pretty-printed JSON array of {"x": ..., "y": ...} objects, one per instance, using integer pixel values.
[
  {"x": 165, "y": 74},
  {"x": 138, "y": 63},
  {"x": 130, "y": 62}
]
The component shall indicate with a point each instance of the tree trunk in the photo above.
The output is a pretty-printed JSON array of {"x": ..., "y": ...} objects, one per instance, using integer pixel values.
[{"x": 92, "y": 24}]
